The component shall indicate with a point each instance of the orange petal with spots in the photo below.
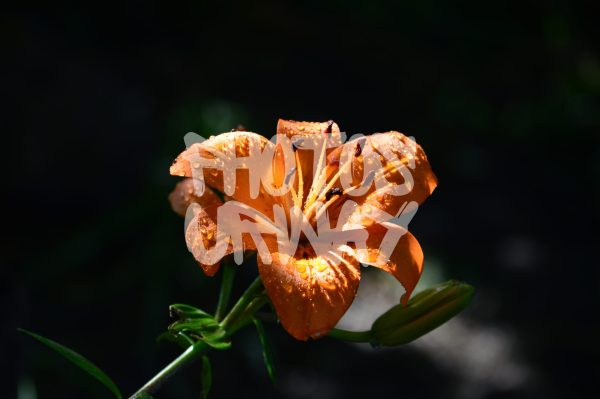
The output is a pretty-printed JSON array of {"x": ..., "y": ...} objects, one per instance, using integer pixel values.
[
  {"x": 278, "y": 166},
  {"x": 405, "y": 260},
  {"x": 241, "y": 142},
  {"x": 310, "y": 295},
  {"x": 202, "y": 235},
  {"x": 410, "y": 159},
  {"x": 185, "y": 193},
  {"x": 411, "y": 156}
]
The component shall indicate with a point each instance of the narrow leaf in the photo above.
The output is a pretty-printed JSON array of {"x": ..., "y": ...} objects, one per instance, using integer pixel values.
[
  {"x": 206, "y": 377},
  {"x": 194, "y": 325},
  {"x": 184, "y": 311},
  {"x": 179, "y": 338},
  {"x": 78, "y": 360},
  {"x": 143, "y": 395},
  {"x": 216, "y": 337},
  {"x": 267, "y": 352}
]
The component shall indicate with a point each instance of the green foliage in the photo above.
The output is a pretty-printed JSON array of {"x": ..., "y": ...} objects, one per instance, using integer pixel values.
[
  {"x": 178, "y": 338},
  {"x": 79, "y": 361},
  {"x": 267, "y": 351},
  {"x": 195, "y": 325},
  {"x": 143, "y": 395},
  {"x": 206, "y": 377},
  {"x": 184, "y": 311}
]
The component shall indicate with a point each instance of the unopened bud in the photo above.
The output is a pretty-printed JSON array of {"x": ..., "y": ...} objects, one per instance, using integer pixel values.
[{"x": 426, "y": 311}]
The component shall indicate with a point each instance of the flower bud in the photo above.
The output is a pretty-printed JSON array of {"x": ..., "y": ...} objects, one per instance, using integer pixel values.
[{"x": 426, "y": 311}]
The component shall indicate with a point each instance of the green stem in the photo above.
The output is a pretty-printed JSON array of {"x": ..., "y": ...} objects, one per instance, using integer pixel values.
[
  {"x": 246, "y": 316},
  {"x": 242, "y": 303},
  {"x": 225, "y": 293},
  {"x": 252, "y": 300},
  {"x": 352, "y": 336},
  {"x": 192, "y": 353}
]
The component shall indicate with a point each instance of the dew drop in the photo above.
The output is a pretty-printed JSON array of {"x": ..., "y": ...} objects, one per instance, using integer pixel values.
[{"x": 287, "y": 287}]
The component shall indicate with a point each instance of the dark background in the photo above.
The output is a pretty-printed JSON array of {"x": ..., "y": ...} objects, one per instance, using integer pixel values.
[{"x": 502, "y": 95}]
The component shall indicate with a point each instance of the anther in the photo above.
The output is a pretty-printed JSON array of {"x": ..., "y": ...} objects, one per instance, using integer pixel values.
[
  {"x": 239, "y": 128},
  {"x": 332, "y": 192}
]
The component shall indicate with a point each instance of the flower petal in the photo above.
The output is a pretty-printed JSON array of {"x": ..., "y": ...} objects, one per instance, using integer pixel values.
[
  {"x": 306, "y": 129},
  {"x": 413, "y": 159},
  {"x": 185, "y": 193},
  {"x": 202, "y": 227},
  {"x": 239, "y": 145},
  {"x": 201, "y": 235},
  {"x": 209, "y": 244},
  {"x": 404, "y": 166},
  {"x": 404, "y": 260},
  {"x": 310, "y": 295}
]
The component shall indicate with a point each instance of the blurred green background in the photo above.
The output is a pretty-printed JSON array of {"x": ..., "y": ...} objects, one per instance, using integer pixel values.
[{"x": 502, "y": 95}]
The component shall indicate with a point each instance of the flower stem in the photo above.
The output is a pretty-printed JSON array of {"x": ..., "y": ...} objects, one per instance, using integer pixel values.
[
  {"x": 242, "y": 303},
  {"x": 246, "y": 316},
  {"x": 192, "y": 353},
  {"x": 225, "y": 293},
  {"x": 352, "y": 336},
  {"x": 241, "y": 313}
]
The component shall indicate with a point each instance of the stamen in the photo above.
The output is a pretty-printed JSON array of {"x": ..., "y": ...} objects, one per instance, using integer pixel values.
[
  {"x": 311, "y": 208},
  {"x": 335, "y": 178},
  {"x": 324, "y": 207},
  {"x": 332, "y": 192},
  {"x": 368, "y": 181},
  {"x": 239, "y": 128},
  {"x": 295, "y": 197},
  {"x": 359, "y": 146},
  {"x": 316, "y": 188},
  {"x": 300, "y": 180}
]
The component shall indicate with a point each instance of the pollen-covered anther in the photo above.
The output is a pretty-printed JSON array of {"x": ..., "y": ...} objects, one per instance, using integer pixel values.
[
  {"x": 300, "y": 267},
  {"x": 322, "y": 267}
]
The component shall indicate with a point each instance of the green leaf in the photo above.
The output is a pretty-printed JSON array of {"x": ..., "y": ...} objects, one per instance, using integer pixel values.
[
  {"x": 184, "y": 311},
  {"x": 217, "y": 338},
  {"x": 78, "y": 360},
  {"x": 197, "y": 324},
  {"x": 179, "y": 338},
  {"x": 194, "y": 325},
  {"x": 267, "y": 352},
  {"x": 143, "y": 395},
  {"x": 206, "y": 377}
]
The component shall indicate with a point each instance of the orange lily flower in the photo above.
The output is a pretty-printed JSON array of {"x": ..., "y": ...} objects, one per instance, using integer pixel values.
[{"x": 311, "y": 290}]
